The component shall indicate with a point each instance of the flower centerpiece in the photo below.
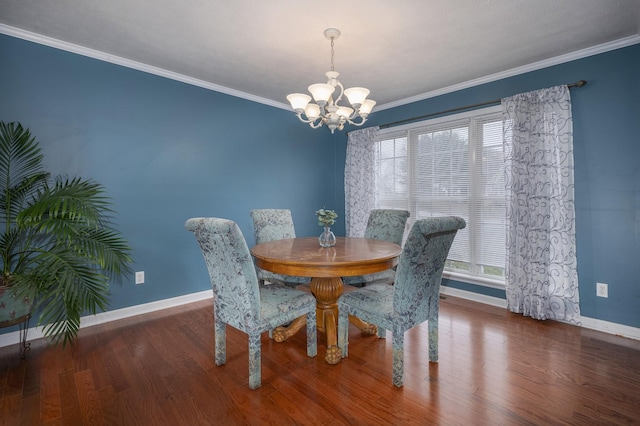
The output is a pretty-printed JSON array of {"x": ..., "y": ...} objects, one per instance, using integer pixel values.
[{"x": 327, "y": 218}]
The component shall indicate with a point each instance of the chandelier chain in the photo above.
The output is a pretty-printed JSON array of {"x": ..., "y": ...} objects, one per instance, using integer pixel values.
[{"x": 332, "y": 68}]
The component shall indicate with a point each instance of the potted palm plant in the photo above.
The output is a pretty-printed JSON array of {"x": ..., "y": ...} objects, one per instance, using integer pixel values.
[{"x": 59, "y": 251}]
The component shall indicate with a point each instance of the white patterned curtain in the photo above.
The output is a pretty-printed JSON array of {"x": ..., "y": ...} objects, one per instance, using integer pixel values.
[
  {"x": 359, "y": 180},
  {"x": 541, "y": 268}
]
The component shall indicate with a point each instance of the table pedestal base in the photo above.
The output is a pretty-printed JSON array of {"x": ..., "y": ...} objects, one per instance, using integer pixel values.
[
  {"x": 282, "y": 333},
  {"x": 366, "y": 329},
  {"x": 326, "y": 291}
]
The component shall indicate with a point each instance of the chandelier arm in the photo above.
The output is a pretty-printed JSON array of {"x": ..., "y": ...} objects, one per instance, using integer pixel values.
[
  {"x": 355, "y": 114},
  {"x": 316, "y": 125},
  {"x": 307, "y": 120},
  {"x": 299, "y": 115},
  {"x": 364, "y": 120},
  {"x": 339, "y": 98}
]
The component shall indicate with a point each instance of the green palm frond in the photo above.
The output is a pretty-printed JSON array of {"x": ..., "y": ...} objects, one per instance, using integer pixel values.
[
  {"x": 17, "y": 197},
  {"x": 58, "y": 244},
  {"x": 20, "y": 155},
  {"x": 68, "y": 202},
  {"x": 107, "y": 249},
  {"x": 21, "y": 173}
]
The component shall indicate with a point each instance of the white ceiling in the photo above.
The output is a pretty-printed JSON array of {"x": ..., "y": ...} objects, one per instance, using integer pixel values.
[{"x": 402, "y": 50}]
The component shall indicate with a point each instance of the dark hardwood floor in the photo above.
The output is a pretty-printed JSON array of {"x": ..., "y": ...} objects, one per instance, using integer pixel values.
[{"x": 495, "y": 368}]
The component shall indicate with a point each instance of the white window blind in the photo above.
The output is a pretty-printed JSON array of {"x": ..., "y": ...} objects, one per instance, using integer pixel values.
[
  {"x": 451, "y": 166},
  {"x": 392, "y": 180}
]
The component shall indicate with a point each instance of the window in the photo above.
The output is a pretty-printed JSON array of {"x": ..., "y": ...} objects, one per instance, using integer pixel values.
[{"x": 451, "y": 166}]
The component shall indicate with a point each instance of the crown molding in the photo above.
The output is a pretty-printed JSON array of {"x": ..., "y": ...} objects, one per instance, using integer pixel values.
[
  {"x": 579, "y": 54},
  {"x": 106, "y": 57},
  {"x": 102, "y": 56}
]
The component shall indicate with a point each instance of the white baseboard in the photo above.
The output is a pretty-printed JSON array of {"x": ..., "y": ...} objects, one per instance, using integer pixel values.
[
  {"x": 591, "y": 323},
  {"x": 611, "y": 328},
  {"x": 12, "y": 338}
]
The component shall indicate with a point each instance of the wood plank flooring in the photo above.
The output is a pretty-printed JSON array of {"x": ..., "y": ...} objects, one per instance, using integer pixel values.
[{"x": 495, "y": 368}]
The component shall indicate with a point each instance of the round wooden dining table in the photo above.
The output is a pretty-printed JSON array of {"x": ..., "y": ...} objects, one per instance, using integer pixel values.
[{"x": 305, "y": 257}]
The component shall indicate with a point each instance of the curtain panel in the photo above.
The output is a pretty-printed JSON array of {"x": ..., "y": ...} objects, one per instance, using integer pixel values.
[
  {"x": 359, "y": 180},
  {"x": 541, "y": 266}
]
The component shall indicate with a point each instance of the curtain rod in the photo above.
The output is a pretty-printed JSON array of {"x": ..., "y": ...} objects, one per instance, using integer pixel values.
[{"x": 495, "y": 101}]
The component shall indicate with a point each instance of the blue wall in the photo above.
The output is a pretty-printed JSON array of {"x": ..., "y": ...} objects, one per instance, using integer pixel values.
[
  {"x": 167, "y": 151},
  {"x": 606, "y": 124}
]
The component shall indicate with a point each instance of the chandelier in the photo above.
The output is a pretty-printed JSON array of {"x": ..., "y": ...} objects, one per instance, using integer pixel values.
[{"x": 327, "y": 110}]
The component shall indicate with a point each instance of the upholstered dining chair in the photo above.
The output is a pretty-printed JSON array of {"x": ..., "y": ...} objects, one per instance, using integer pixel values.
[
  {"x": 269, "y": 225},
  {"x": 387, "y": 225},
  {"x": 238, "y": 300},
  {"x": 414, "y": 297}
]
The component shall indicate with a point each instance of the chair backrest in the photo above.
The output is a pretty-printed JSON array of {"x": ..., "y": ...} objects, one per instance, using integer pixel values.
[
  {"x": 419, "y": 273},
  {"x": 233, "y": 277},
  {"x": 387, "y": 225},
  {"x": 272, "y": 224}
]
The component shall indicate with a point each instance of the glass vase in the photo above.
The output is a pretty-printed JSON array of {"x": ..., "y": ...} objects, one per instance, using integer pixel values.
[{"x": 327, "y": 238}]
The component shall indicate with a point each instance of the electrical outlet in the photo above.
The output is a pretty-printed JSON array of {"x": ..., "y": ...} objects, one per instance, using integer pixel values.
[
  {"x": 140, "y": 277},
  {"x": 602, "y": 290}
]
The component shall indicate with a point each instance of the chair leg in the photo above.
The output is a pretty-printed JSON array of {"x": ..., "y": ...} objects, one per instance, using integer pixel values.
[
  {"x": 220, "y": 342},
  {"x": 312, "y": 338},
  {"x": 255, "y": 373},
  {"x": 398, "y": 358},
  {"x": 343, "y": 332},
  {"x": 433, "y": 339}
]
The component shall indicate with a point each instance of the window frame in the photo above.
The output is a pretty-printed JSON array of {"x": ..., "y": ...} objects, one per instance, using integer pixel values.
[{"x": 474, "y": 120}]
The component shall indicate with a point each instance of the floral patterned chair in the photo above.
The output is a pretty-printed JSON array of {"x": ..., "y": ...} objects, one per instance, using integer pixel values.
[
  {"x": 269, "y": 225},
  {"x": 387, "y": 225},
  {"x": 238, "y": 300},
  {"x": 413, "y": 299}
]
